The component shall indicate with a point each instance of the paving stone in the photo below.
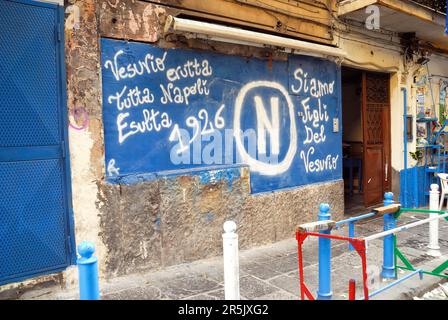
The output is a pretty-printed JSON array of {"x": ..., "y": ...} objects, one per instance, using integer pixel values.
[
  {"x": 409, "y": 252},
  {"x": 349, "y": 261},
  {"x": 290, "y": 282},
  {"x": 188, "y": 286},
  {"x": 440, "y": 293},
  {"x": 443, "y": 245},
  {"x": 403, "y": 236},
  {"x": 278, "y": 295},
  {"x": 218, "y": 294},
  {"x": 311, "y": 255},
  {"x": 201, "y": 297},
  {"x": 415, "y": 243},
  {"x": 213, "y": 272},
  {"x": 284, "y": 264},
  {"x": 259, "y": 270},
  {"x": 338, "y": 250},
  {"x": 443, "y": 233},
  {"x": 264, "y": 256},
  {"x": 43, "y": 294},
  {"x": 252, "y": 288},
  {"x": 138, "y": 293},
  {"x": 420, "y": 260}
]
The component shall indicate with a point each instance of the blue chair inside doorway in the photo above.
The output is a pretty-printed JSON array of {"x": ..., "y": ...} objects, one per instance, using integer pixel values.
[{"x": 350, "y": 163}]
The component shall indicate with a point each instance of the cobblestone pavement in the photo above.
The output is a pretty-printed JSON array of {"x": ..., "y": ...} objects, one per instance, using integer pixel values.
[
  {"x": 440, "y": 293},
  {"x": 270, "y": 272}
]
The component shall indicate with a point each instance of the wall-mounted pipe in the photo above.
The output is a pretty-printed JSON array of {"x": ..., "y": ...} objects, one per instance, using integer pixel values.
[
  {"x": 224, "y": 32},
  {"x": 405, "y": 145},
  {"x": 430, "y": 89}
]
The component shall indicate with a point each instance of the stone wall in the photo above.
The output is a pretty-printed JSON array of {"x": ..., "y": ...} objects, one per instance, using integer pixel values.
[{"x": 169, "y": 220}]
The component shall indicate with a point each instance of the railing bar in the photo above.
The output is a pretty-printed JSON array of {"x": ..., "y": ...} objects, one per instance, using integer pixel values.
[
  {"x": 392, "y": 284},
  {"x": 364, "y": 216},
  {"x": 404, "y": 210},
  {"x": 402, "y": 228}
]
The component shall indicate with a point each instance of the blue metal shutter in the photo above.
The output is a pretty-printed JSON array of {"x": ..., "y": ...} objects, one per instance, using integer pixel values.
[{"x": 34, "y": 196}]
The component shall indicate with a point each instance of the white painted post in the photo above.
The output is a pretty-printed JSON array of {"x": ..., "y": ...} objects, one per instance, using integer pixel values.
[
  {"x": 434, "y": 249},
  {"x": 231, "y": 262}
]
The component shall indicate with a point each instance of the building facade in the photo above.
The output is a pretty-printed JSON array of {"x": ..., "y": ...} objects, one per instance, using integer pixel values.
[{"x": 175, "y": 116}]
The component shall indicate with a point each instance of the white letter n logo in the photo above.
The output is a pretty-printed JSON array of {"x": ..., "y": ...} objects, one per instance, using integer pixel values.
[{"x": 264, "y": 123}]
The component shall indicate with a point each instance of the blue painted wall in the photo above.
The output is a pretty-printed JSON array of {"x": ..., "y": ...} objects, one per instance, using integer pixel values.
[
  {"x": 178, "y": 109},
  {"x": 414, "y": 194}
]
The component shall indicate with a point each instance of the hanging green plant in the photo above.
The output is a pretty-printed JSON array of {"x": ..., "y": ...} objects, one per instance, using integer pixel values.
[{"x": 417, "y": 156}]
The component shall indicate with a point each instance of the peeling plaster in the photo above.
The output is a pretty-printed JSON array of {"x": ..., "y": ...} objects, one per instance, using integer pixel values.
[{"x": 85, "y": 191}]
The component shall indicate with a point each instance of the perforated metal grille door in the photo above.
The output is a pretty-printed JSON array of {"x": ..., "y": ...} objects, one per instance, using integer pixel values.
[{"x": 33, "y": 202}]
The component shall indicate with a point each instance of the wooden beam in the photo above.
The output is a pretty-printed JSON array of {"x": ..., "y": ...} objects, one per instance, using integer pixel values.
[
  {"x": 316, "y": 226},
  {"x": 407, "y": 7},
  {"x": 302, "y": 20},
  {"x": 414, "y": 9},
  {"x": 348, "y": 6},
  {"x": 392, "y": 208}
]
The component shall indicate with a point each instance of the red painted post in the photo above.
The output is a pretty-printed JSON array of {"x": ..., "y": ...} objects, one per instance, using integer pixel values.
[
  {"x": 362, "y": 253},
  {"x": 360, "y": 247},
  {"x": 352, "y": 289},
  {"x": 300, "y": 239}
]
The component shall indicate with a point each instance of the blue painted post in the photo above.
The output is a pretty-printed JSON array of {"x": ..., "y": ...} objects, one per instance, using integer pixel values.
[
  {"x": 388, "y": 271},
  {"x": 324, "y": 292},
  {"x": 404, "y": 192},
  {"x": 88, "y": 272},
  {"x": 351, "y": 234}
]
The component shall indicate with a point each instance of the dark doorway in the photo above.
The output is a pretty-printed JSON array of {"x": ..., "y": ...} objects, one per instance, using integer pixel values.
[{"x": 366, "y": 138}]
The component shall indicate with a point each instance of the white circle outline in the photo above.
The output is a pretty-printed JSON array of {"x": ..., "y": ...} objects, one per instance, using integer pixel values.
[{"x": 256, "y": 165}]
